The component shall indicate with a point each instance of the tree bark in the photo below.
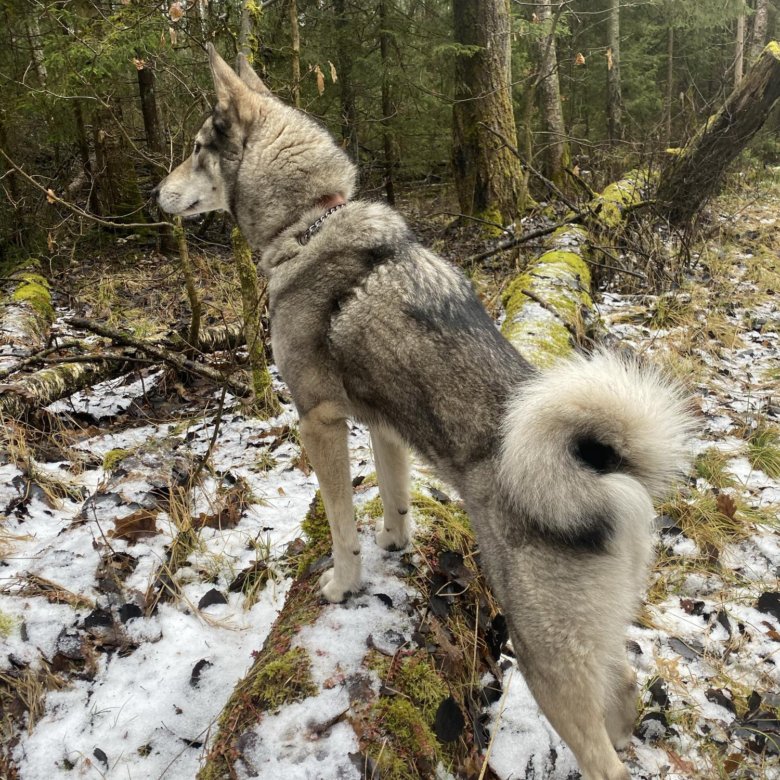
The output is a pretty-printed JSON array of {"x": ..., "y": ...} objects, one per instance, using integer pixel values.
[
  {"x": 295, "y": 42},
  {"x": 388, "y": 109},
  {"x": 455, "y": 648},
  {"x": 146, "y": 89},
  {"x": 614, "y": 93},
  {"x": 555, "y": 148},
  {"x": 758, "y": 34},
  {"x": 695, "y": 173},
  {"x": 488, "y": 177},
  {"x": 669, "y": 99},
  {"x": 266, "y": 402},
  {"x": 739, "y": 51},
  {"x": 349, "y": 114}
]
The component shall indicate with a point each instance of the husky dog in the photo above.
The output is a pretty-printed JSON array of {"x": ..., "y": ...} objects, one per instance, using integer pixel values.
[{"x": 557, "y": 469}]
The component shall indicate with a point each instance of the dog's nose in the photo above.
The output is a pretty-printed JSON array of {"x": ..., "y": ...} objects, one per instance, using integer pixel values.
[{"x": 155, "y": 192}]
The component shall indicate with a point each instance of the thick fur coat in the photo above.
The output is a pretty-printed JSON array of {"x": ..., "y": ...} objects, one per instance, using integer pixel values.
[{"x": 557, "y": 469}]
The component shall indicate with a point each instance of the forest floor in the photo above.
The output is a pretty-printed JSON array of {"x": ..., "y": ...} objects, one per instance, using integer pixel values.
[{"x": 96, "y": 527}]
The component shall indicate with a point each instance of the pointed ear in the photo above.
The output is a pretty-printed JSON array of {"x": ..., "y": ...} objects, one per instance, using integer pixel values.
[
  {"x": 247, "y": 74},
  {"x": 232, "y": 93}
]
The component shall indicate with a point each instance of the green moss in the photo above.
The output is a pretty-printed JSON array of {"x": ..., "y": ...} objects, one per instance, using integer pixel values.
[
  {"x": 34, "y": 291},
  {"x": 773, "y": 47},
  {"x": 284, "y": 680},
  {"x": 408, "y": 732},
  {"x": 7, "y": 624},
  {"x": 418, "y": 679},
  {"x": 315, "y": 524},
  {"x": 373, "y": 508},
  {"x": 491, "y": 214},
  {"x": 113, "y": 458}
]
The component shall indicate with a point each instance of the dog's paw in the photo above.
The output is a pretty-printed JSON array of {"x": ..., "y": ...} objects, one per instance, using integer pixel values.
[
  {"x": 333, "y": 589},
  {"x": 392, "y": 541}
]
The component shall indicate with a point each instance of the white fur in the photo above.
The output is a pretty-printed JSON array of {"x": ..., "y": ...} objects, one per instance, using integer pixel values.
[{"x": 633, "y": 408}]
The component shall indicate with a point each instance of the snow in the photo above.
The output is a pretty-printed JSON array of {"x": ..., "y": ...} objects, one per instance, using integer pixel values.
[{"x": 140, "y": 712}]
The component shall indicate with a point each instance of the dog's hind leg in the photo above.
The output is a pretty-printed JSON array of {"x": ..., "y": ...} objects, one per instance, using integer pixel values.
[
  {"x": 325, "y": 437},
  {"x": 621, "y": 705},
  {"x": 570, "y": 692},
  {"x": 392, "y": 468}
]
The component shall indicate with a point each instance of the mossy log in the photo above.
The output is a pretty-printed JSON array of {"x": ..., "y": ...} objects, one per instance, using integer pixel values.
[
  {"x": 694, "y": 174},
  {"x": 28, "y": 392},
  {"x": 27, "y": 312},
  {"x": 395, "y": 695},
  {"x": 548, "y": 306},
  {"x": 50, "y": 384}
]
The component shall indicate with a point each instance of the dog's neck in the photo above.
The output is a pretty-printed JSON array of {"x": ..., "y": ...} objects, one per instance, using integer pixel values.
[{"x": 330, "y": 203}]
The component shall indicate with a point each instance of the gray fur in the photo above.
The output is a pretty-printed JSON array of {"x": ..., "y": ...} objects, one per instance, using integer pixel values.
[{"x": 556, "y": 469}]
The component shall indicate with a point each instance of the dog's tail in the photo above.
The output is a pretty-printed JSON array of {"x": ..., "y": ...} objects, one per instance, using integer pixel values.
[{"x": 591, "y": 435}]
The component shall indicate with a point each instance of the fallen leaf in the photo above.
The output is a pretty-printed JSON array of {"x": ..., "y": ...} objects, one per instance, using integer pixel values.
[
  {"x": 134, "y": 526},
  {"x": 175, "y": 11},
  {"x": 726, "y": 505},
  {"x": 449, "y": 722}
]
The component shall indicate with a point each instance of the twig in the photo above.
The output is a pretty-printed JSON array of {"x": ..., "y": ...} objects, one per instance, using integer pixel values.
[
  {"x": 49, "y": 193},
  {"x": 523, "y": 239},
  {"x": 207, "y": 453},
  {"x": 547, "y": 307},
  {"x": 36, "y": 357},
  {"x": 178, "y": 361}
]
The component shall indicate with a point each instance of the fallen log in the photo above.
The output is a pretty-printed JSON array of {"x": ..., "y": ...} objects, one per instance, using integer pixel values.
[
  {"x": 415, "y": 696},
  {"x": 32, "y": 391},
  {"x": 27, "y": 313},
  {"x": 174, "y": 359},
  {"x": 694, "y": 173},
  {"x": 50, "y": 384}
]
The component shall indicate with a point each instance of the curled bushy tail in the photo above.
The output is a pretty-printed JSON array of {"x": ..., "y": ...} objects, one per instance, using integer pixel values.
[{"x": 574, "y": 427}]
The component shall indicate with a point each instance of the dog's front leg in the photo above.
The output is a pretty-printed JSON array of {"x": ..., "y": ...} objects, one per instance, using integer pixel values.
[
  {"x": 325, "y": 439},
  {"x": 392, "y": 469}
]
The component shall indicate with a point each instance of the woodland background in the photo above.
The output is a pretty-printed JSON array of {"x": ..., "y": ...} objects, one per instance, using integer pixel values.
[
  {"x": 603, "y": 171},
  {"x": 99, "y": 99}
]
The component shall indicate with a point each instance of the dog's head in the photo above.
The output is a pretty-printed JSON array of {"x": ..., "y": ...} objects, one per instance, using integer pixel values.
[{"x": 256, "y": 157}]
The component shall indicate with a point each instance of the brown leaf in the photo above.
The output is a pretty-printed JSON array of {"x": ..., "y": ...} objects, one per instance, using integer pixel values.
[
  {"x": 579, "y": 59},
  {"x": 175, "y": 11},
  {"x": 333, "y": 75},
  {"x": 726, "y": 505},
  {"x": 134, "y": 526},
  {"x": 320, "y": 79},
  {"x": 50, "y": 196},
  {"x": 139, "y": 64}
]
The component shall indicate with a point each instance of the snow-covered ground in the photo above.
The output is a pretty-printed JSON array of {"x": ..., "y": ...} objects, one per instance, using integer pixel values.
[{"x": 143, "y": 694}]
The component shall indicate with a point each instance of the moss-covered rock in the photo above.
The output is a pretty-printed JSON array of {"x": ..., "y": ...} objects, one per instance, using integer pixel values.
[{"x": 283, "y": 680}]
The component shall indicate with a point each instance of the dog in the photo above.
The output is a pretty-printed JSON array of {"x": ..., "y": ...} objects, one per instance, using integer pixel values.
[{"x": 557, "y": 469}]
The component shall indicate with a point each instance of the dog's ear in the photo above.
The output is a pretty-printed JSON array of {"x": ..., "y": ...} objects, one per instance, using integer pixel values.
[
  {"x": 234, "y": 98},
  {"x": 247, "y": 74}
]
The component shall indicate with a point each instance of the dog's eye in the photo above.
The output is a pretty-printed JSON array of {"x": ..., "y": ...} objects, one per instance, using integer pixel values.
[{"x": 197, "y": 147}]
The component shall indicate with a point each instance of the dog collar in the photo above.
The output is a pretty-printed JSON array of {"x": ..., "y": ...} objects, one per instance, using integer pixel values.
[{"x": 316, "y": 226}]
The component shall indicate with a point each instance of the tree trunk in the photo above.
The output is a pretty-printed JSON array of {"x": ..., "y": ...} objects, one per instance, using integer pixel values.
[
  {"x": 117, "y": 185},
  {"x": 388, "y": 109},
  {"x": 488, "y": 177},
  {"x": 266, "y": 402},
  {"x": 247, "y": 38},
  {"x": 349, "y": 116},
  {"x": 669, "y": 99},
  {"x": 739, "y": 51},
  {"x": 758, "y": 35},
  {"x": 614, "y": 94},
  {"x": 146, "y": 89},
  {"x": 295, "y": 38},
  {"x": 695, "y": 173},
  {"x": 555, "y": 148}
]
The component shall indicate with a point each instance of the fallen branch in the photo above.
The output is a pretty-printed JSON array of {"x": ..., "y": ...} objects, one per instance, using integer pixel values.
[{"x": 174, "y": 359}]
